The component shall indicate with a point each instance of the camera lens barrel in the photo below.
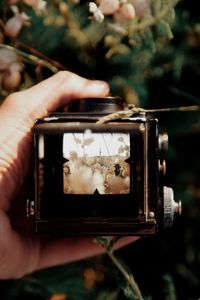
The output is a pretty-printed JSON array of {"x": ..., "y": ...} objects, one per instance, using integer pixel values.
[{"x": 97, "y": 105}]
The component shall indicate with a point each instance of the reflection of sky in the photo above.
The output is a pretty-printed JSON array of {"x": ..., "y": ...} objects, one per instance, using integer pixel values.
[{"x": 95, "y": 144}]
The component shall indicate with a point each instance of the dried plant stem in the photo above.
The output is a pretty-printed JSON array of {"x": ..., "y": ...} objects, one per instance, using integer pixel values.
[
  {"x": 136, "y": 110},
  {"x": 108, "y": 242},
  {"x": 40, "y": 55},
  {"x": 32, "y": 58},
  {"x": 179, "y": 108},
  {"x": 148, "y": 22},
  {"x": 129, "y": 277}
]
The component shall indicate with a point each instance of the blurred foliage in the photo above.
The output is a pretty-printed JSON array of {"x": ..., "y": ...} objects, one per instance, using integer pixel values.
[
  {"x": 121, "y": 54},
  {"x": 148, "y": 68}
]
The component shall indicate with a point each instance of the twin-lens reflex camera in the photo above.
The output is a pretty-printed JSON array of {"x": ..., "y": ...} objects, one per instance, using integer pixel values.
[{"x": 94, "y": 178}]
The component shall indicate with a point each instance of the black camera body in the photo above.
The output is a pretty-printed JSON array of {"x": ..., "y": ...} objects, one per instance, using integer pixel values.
[{"x": 99, "y": 179}]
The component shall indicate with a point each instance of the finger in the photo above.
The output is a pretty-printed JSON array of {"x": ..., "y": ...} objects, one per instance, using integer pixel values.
[
  {"x": 73, "y": 249},
  {"x": 52, "y": 93}
]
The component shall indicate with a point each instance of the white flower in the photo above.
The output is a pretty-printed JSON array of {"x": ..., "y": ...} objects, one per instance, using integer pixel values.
[
  {"x": 10, "y": 68},
  {"x": 14, "y": 25},
  {"x": 39, "y": 5},
  {"x": 97, "y": 14},
  {"x": 92, "y": 7},
  {"x": 109, "y": 7}
]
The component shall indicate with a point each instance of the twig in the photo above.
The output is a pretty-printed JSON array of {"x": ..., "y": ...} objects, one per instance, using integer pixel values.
[
  {"x": 108, "y": 243},
  {"x": 129, "y": 277},
  {"x": 136, "y": 110},
  {"x": 40, "y": 55},
  {"x": 36, "y": 60}
]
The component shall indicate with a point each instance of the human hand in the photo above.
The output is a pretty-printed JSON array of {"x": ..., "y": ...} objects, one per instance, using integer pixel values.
[{"x": 22, "y": 253}]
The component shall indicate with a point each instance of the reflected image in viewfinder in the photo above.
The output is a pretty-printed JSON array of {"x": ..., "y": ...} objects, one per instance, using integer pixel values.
[{"x": 96, "y": 163}]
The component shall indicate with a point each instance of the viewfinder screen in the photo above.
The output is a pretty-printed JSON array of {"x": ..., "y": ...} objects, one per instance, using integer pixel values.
[{"x": 96, "y": 163}]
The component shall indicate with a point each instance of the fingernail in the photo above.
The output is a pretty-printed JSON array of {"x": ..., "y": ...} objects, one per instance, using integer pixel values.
[{"x": 98, "y": 87}]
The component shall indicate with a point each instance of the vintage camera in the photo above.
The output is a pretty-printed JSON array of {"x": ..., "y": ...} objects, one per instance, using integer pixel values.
[{"x": 100, "y": 179}]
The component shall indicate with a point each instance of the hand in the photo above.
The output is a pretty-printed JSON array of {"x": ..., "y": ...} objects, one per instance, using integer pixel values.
[{"x": 22, "y": 253}]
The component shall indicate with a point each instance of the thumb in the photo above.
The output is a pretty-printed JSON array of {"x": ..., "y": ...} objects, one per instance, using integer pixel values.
[
  {"x": 17, "y": 117},
  {"x": 52, "y": 93}
]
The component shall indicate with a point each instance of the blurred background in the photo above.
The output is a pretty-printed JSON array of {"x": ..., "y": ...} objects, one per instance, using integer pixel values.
[{"x": 149, "y": 52}]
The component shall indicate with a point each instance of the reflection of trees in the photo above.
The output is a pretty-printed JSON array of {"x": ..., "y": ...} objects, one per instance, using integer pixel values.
[
  {"x": 108, "y": 142},
  {"x": 107, "y": 174},
  {"x": 123, "y": 149}
]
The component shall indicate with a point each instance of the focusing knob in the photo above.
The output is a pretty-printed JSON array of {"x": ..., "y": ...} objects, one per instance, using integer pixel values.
[{"x": 170, "y": 206}]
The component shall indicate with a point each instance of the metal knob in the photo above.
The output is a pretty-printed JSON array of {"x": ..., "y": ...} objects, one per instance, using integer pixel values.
[{"x": 170, "y": 206}]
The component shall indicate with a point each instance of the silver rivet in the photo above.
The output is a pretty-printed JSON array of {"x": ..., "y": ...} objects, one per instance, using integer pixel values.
[
  {"x": 142, "y": 127},
  {"x": 151, "y": 214}
]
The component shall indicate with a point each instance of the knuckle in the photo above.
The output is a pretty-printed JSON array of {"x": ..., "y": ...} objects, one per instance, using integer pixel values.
[
  {"x": 13, "y": 99},
  {"x": 63, "y": 75},
  {"x": 67, "y": 77}
]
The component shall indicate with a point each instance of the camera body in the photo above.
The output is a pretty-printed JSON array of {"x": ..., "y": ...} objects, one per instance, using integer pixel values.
[{"x": 99, "y": 179}]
